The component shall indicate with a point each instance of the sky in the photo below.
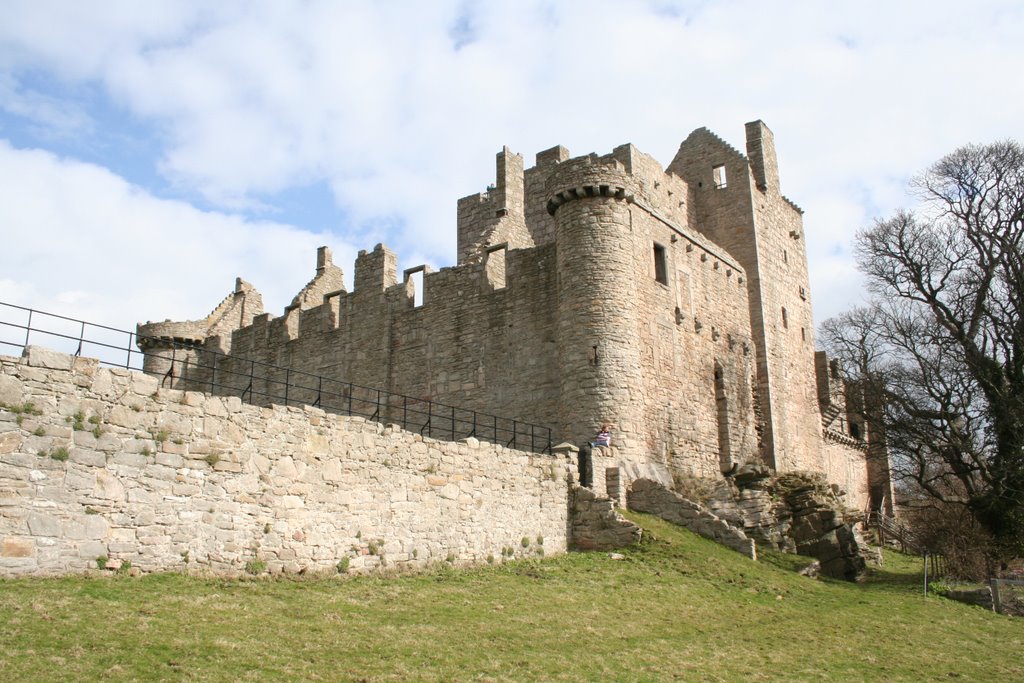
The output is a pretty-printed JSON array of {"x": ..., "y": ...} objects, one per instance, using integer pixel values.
[{"x": 150, "y": 152}]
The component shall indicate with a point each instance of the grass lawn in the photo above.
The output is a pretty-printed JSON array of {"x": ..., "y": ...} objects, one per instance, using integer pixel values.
[{"x": 677, "y": 608}]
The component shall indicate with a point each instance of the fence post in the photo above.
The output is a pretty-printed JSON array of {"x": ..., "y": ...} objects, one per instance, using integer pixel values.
[
  {"x": 81, "y": 338},
  {"x": 453, "y": 423},
  {"x": 128, "y": 361},
  {"x": 997, "y": 603},
  {"x": 926, "y": 574},
  {"x": 28, "y": 327}
]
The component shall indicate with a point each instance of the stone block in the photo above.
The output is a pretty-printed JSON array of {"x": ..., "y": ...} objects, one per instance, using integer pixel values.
[
  {"x": 14, "y": 546},
  {"x": 86, "y": 527},
  {"x": 90, "y": 550},
  {"x": 90, "y": 458},
  {"x": 125, "y": 416},
  {"x": 144, "y": 385},
  {"x": 44, "y": 525},
  {"x": 79, "y": 479},
  {"x": 39, "y": 357},
  {"x": 11, "y": 392},
  {"x": 10, "y": 442},
  {"x": 108, "y": 487}
]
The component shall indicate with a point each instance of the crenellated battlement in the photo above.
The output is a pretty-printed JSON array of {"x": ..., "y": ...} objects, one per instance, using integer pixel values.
[{"x": 236, "y": 310}]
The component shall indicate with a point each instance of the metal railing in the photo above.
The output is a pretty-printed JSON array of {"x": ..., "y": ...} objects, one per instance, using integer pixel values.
[
  {"x": 192, "y": 367},
  {"x": 889, "y": 529}
]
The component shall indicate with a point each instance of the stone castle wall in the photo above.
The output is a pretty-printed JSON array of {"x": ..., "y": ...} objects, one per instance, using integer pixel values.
[
  {"x": 98, "y": 462},
  {"x": 672, "y": 303}
]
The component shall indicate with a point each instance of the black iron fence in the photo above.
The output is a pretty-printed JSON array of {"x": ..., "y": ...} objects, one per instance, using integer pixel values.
[{"x": 187, "y": 366}]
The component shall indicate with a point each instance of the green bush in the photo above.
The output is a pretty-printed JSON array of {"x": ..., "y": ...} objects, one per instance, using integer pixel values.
[{"x": 255, "y": 567}]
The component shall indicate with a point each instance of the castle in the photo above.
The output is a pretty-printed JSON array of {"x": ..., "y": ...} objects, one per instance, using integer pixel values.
[{"x": 673, "y": 303}]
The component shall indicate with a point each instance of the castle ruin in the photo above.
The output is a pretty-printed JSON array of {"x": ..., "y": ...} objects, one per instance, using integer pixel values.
[{"x": 673, "y": 303}]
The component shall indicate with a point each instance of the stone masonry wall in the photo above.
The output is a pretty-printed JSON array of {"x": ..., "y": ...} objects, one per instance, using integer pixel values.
[
  {"x": 741, "y": 208},
  {"x": 98, "y": 462},
  {"x": 672, "y": 303},
  {"x": 846, "y": 466}
]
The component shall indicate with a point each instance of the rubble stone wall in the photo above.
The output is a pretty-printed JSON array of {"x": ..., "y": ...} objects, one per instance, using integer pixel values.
[{"x": 101, "y": 463}]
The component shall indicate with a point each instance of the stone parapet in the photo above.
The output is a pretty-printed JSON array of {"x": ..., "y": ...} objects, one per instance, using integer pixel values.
[{"x": 102, "y": 466}]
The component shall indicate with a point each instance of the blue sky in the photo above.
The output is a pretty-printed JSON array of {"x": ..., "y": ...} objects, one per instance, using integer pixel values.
[{"x": 150, "y": 152}]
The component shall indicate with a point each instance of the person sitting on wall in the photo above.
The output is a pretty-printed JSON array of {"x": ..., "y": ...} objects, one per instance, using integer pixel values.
[{"x": 604, "y": 436}]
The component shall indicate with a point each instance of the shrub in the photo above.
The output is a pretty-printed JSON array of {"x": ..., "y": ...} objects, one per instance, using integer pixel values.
[
  {"x": 212, "y": 459},
  {"x": 948, "y": 529},
  {"x": 343, "y": 565},
  {"x": 525, "y": 542},
  {"x": 60, "y": 453},
  {"x": 101, "y": 562},
  {"x": 39, "y": 432},
  {"x": 255, "y": 567},
  {"x": 23, "y": 409}
]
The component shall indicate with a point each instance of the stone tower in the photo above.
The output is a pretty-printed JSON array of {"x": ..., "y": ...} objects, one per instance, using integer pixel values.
[
  {"x": 739, "y": 205},
  {"x": 170, "y": 346},
  {"x": 597, "y": 312}
]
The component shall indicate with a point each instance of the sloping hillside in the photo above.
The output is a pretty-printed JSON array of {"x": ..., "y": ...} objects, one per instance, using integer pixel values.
[{"x": 676, "y": 607}]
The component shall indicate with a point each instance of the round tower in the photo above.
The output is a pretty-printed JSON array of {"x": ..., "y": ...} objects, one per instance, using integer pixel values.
[
  {"x": 598, "y": 353},
  {"x": 169, "y": 347}
]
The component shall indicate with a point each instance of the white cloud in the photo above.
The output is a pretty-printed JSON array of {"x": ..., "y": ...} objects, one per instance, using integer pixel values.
[
  {"x": 91, "y": 246},
  {"x": 400, "y": 107}
]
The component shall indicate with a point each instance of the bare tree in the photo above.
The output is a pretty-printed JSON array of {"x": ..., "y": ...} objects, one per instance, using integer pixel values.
[{"x": 940, "y": 345}]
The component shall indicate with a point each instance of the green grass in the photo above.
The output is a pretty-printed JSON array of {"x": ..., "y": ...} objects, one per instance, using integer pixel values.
[{"x": 676, "y": 608}]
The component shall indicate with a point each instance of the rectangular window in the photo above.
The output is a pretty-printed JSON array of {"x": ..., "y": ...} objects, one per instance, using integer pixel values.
[
  {"x": 495, "y": 266},
  {"x": 660, "y": 264},
  {"x": 718, "y": 175},
  {"x": 414, "y": 280}
]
